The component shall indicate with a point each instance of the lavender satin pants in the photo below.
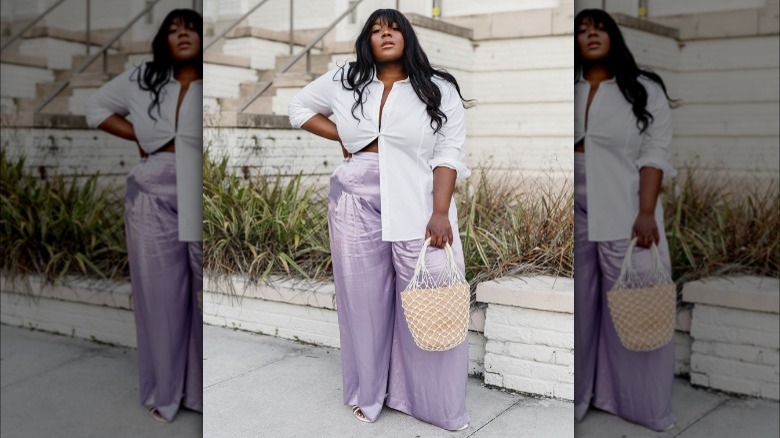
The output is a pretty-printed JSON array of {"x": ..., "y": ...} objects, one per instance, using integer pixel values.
[
  {"x": 166, "y": 276},
  {"x": 379, "y": 356},
  {"x": 637, "y": 386}
]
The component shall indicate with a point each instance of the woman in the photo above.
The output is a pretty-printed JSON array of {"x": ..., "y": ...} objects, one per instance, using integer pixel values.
[
  {"x": 622, "y": 139},
  {"x": 400, "y": 123},
  {"x": 163, "y": 222}
]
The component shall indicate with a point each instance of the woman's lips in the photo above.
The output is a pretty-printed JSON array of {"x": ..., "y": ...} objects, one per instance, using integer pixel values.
[
  {"x": 594, "y": 45},
  {"x": 184, "y": 45},
  {"x": 387, "y": 45}
]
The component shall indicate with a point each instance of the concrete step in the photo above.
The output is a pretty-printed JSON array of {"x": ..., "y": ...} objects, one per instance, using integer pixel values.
[
  {"x": 295, "y": 79},
  {"x": 213, "y": 57},
  {"x": 261, "y": 105},
  {"x": 115, "y": 63},
  {"x": 319, "y": 63},
  {"x": 42, "y": 89},
  {"x": 300, "y": 37},
  {"x": 246, "y": 89},
  {"x": 89, "y": 79},
  {"x": 11, "y": 57},
  {"x": 58, "y": 105}
]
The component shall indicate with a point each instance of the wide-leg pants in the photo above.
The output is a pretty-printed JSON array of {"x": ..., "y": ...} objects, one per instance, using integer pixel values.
[
  {"x": 166, "y": 276},
  {"x": 636, "y": 386},
  {"x": 379, "y": 356}
]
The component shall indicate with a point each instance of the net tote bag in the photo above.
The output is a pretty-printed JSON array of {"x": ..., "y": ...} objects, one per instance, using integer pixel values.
[
  {"x": 437, "y": 311},
  {"x": 643, "y": 310}
]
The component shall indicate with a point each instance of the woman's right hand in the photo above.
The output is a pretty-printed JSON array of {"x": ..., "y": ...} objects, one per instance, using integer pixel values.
[
  {"x": 645, "y": 230},
  {"x": 141, "y": 150}
]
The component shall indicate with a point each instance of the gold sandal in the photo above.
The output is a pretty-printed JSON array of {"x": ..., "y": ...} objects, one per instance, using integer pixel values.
[
  {"x": 360, "y": 415},
  {"x": 156, "y": 414}
]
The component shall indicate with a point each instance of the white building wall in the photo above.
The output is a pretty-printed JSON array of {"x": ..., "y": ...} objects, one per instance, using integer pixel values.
[
  {"x": 730, "y": 99},
  {"x": 104, "y": 14}
]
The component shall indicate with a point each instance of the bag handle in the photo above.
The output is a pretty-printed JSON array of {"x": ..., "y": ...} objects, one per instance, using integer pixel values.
[
  {"x": 628, "y": 275},
  {"x": 449, "y": 272}
]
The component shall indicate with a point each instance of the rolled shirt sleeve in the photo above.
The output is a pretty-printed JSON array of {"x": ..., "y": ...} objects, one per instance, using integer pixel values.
[
  {"x": 448, "y": 151},
  {"x": 112, "y": 98},
  {"x": 655, "y": 150},
  {"x": 315, "y": 98}
]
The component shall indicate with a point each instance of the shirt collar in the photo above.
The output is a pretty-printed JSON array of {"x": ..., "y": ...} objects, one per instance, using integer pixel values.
[
  {"x": 374, "y": 78},
  {"x": 611, "y": 80}
]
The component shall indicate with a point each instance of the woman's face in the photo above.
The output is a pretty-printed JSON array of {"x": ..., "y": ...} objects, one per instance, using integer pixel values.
[
  {"x": 183, "y": 41},
  {"x": 387, "y": 42},
  {"x": 593, "y": 41}
]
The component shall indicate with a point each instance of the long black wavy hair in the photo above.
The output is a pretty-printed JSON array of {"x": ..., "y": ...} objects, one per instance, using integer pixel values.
[
  {"x": 158, "y": 71},
  {"x": 361, "y": 71},
  {"x": 620, "y": 63}
]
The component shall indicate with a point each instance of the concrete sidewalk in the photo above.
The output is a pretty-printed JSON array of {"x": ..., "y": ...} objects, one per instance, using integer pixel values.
[
  {"x": 700, "y": 414},
  {"x": 58, "y": 386},
  {"x": 261, "y": 386}
]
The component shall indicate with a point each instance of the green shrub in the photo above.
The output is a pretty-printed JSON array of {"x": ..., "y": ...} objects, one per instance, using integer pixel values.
[
  {"x": 275, "y": 226},
  {"x": 59, "y": 226},
  {"x": 721, "y": 226}
]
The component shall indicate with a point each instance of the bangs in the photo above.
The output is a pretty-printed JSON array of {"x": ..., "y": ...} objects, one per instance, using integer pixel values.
[
  {"x": 593, "y": 17},
  {"x": 185, "y": 17},
  {"x": 387, "y": 17}
]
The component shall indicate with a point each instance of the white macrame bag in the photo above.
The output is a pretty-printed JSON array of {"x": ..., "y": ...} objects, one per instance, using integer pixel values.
[
  {"x": 643, "y": 310},
  {"x": 437, "y": 312}
]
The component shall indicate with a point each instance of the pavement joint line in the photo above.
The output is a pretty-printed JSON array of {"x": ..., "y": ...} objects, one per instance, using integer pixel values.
[
  {"x": 722, "y": 402},
  {"x": 519, "y": 399},
  {"x": 90, "y": 353},
  {"x": 249, "y": 371}
]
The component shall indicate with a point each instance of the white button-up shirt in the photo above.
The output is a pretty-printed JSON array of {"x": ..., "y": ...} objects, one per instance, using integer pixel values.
[
  {"x": 408, "y": 148},
  {"x": 615, "y": 151},
  {"x": 123, "y": 96}
]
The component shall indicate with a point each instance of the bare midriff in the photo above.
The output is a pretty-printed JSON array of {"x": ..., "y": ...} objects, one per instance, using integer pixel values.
[
  {"x": 371, "y": 147},
  {"x": 169, "y": 147}
]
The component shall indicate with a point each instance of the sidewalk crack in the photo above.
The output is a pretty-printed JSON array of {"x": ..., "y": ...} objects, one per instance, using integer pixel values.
[
  {"x": 246, "y": 372},
  {"x": 499, "y": 414},
  {"x": 723, "y": 402}
]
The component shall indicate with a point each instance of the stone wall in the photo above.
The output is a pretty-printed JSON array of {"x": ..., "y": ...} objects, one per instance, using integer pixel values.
[
  {"x": 735, "y": 335},
  {"x": 529, "y": 327}
]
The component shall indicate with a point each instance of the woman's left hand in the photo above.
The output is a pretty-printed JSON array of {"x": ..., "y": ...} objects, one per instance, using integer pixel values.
[
  {"x": 439, "y": 230},
  {"x": 645, "y": 230}
]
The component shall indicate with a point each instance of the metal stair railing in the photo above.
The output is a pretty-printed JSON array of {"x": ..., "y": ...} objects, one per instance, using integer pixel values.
[
  {"x": 35, "y": 21},
  {"x": 88, "y": 62},
  {"x": 236, "y": 23},
  {"x": 305, "y": 51}
]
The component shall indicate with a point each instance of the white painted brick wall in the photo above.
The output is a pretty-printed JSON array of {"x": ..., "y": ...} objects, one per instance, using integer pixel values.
[
  {"x": 682, "y": 353},
  {"x": 530, "y": 350},
  {"x": 72, "y": 151},
  {"x": 735, "y": 326},
  {"x": 292, "y": 311},
  {"x": 744, "y": 353},
  {"x": 477, "y": 343},
  {"x": 730, "y": 97},
  {"x": 115, "y": 326},
  {"x": 445, "y": 50},
  {"x": 735, "y": 350},
  {"x": 84, "y": 309},
  {"x": 289, "y": 321}
]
